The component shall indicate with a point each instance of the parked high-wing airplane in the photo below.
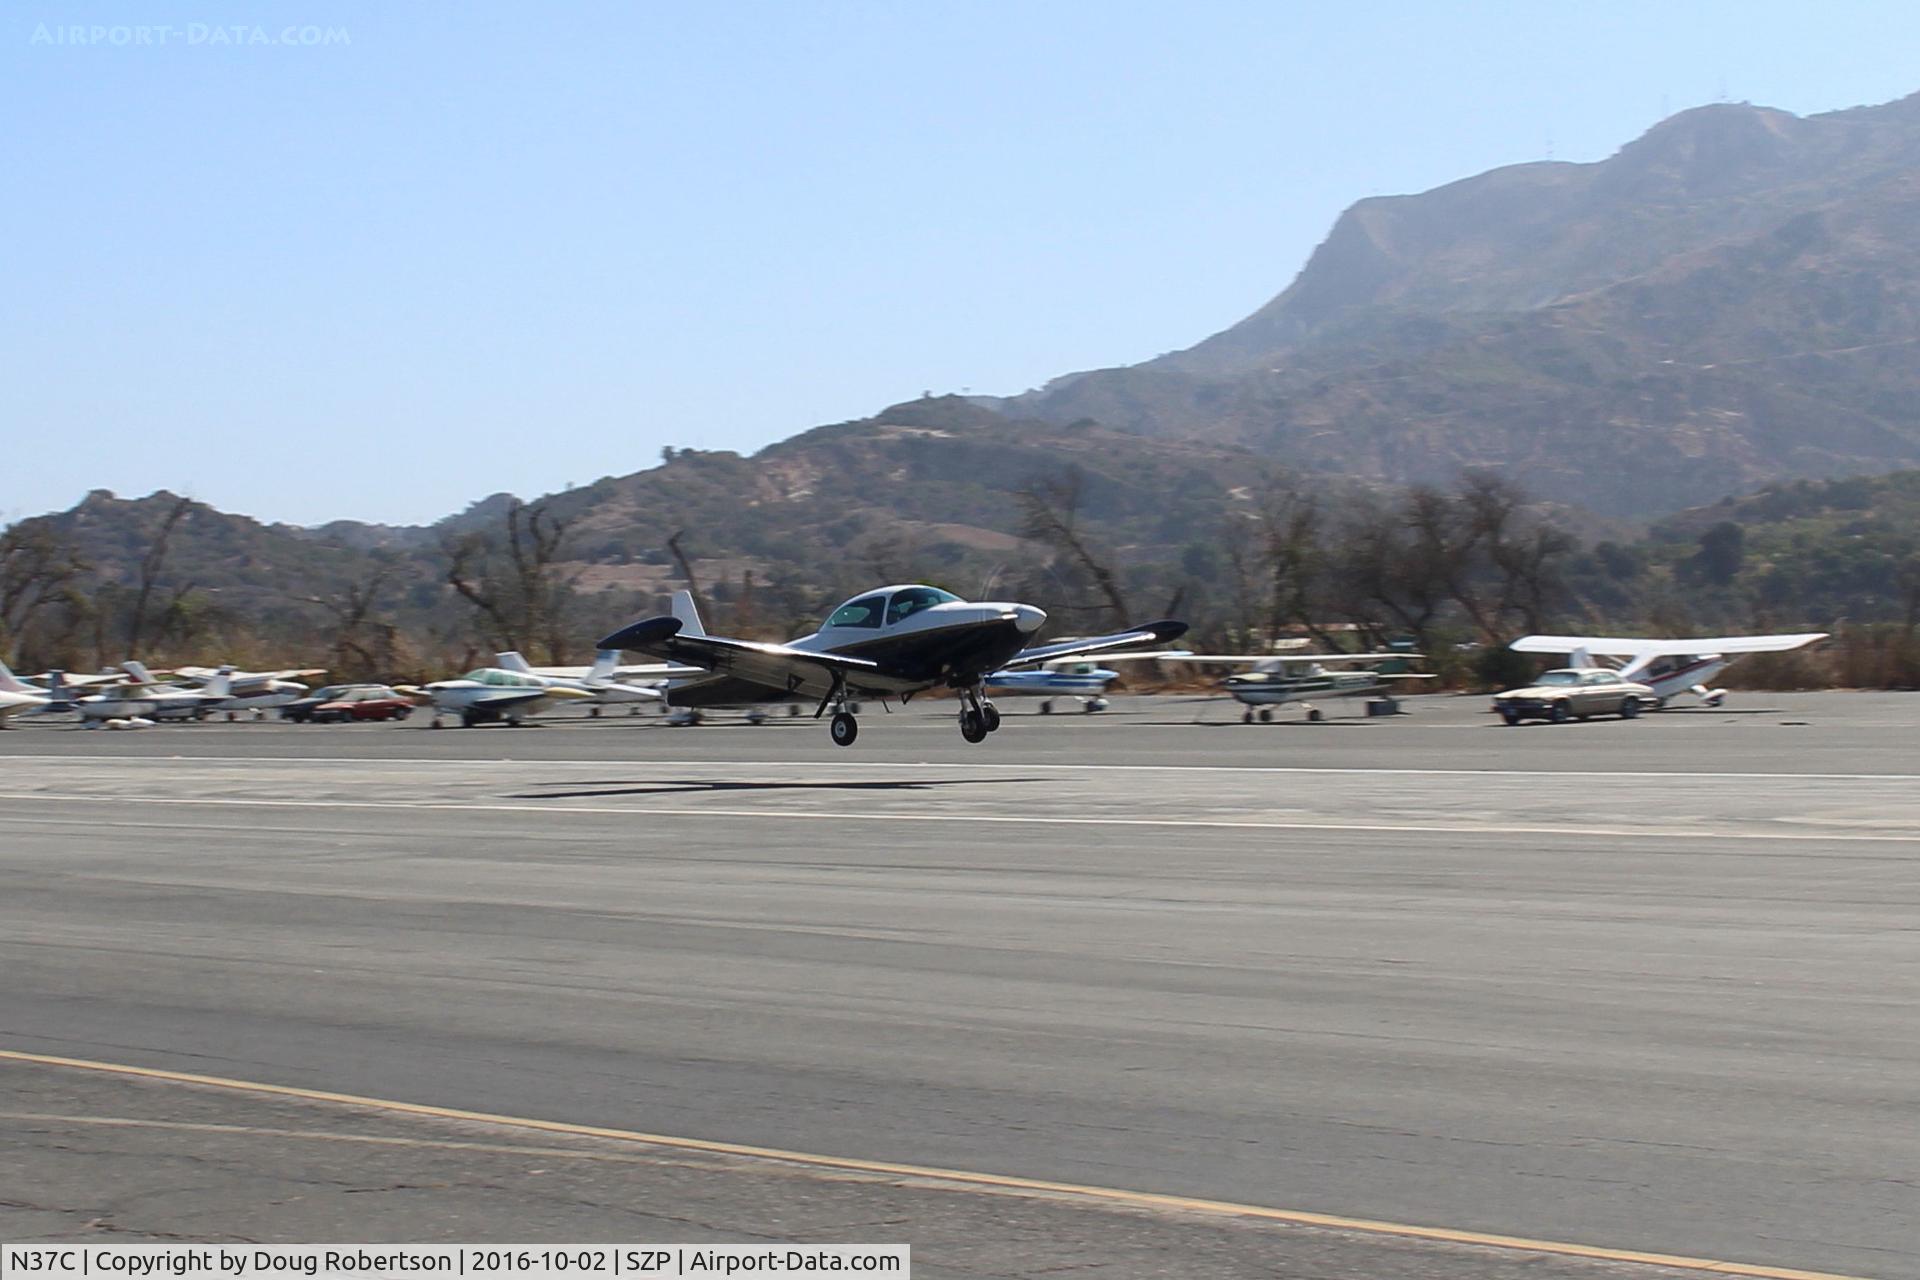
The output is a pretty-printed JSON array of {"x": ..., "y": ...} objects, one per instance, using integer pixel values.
[
  {"x": 254, "y": 689},
  {"x": 1085, "y": 682},
  {"x": 1668, "y": 667},
  {"x": 1272, "y": 679},
  {"x": 893, "y": 641},
  {"x": 17, "y": 697},
  {"x": 141, "y": 697}
]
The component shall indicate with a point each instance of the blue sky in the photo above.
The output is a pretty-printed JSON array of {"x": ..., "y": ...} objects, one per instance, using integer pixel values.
[{"x": 474, "y": 247}]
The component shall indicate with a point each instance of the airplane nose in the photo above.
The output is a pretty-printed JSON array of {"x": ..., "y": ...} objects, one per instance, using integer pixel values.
[{"x": 1028, "y": 618}]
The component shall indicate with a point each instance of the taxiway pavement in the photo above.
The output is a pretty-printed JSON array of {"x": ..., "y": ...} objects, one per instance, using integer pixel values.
[{"x": 1644, "y": 985}]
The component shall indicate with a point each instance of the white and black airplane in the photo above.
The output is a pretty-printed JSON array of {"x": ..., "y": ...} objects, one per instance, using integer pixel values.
[{"x": 889, "y": 642}]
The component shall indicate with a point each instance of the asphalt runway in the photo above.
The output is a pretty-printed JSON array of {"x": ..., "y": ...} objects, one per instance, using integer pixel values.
[{"x": 1639, "y": 985}]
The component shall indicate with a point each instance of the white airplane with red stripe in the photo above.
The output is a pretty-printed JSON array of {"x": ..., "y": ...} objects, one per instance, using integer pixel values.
[{"x": 1668, "y": 667}]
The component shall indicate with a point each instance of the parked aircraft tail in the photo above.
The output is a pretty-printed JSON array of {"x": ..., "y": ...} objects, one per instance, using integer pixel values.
[
  {"x": 513, "y": 661},
  {"x": 139, "y": 672},
  {"x": 10, "y": 683},
  {"x": 683, "y": 609},
  {"x": 221, "y": 685},
  {"x": 604, "y": 663}
]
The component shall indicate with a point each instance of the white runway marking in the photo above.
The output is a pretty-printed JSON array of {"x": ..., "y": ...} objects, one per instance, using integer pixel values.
[
  {"x": 785, "y": 815},
  {"x": 606, "y": 761}
]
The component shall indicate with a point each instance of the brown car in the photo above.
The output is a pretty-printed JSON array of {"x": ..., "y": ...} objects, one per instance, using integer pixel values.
[{"x": 1574, "y": 693}]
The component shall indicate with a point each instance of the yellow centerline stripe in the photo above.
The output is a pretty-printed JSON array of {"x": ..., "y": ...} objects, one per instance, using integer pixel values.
[{"x": 963, "y": 1177}]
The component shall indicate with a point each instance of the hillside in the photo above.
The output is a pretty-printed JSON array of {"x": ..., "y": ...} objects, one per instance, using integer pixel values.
[
  {"x": 1826, "y": 551},
  {"x": 1731, "y": 299},
  {"x": 927, "y": 490}
]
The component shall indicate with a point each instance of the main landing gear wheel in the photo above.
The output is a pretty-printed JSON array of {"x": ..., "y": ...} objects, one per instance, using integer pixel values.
[
  {"x": 973, "y": 726},
  {"x": 992, "y": 715},
  {"x": 844, "y": 728}
]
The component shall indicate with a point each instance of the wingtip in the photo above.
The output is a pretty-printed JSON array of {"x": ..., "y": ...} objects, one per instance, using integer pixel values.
[
  {"x": 641, "y": 634},
  {"x": 1166, "y": 629}
]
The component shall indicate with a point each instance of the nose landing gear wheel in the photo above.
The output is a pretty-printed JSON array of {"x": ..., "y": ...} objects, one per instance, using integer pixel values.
[
  {"x": 844, "y": 729},
  {"x": 973, "y": 726}
]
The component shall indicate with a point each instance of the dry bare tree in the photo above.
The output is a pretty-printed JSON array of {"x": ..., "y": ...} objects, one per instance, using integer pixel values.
[
  {"x": 1050, "y": 510},
  {"x": 152, "y": 565},
  {"x": 39, "y": 571},
  {"x": 512, "y": 579},
  {"x": 364, "y": 643}
]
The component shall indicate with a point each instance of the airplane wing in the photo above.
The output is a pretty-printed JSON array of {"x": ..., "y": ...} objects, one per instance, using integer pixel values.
[
  {"x": 87, "y": 682},
  {"x": 1619, "y": 647},
  {"x": 1150, "y": 633},
  {"x": 1243, "y": 658},
  {"x": 775, "y": 666}
]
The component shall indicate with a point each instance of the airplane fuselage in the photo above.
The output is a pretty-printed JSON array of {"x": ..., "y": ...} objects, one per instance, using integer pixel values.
[
  {"x": 1673, "y": 676},
  {"x": 1271, "y": 688},
  {"x": 944, "y": 645}
]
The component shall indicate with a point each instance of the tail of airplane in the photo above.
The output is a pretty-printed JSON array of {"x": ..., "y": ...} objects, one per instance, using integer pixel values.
[
  {"x": 604, "y": 662},
  {"x": 683, "y": 609},
  {"x": 10, "y": 683},
  {"x": 221, "y": 685},
  {"x": 60, "y": 695},
  {"x": 139, "y": 672},
  {"x": 513, "y": 661}
]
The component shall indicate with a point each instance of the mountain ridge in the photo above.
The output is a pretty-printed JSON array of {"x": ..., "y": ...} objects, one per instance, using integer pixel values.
[{"x": 1546, "y": 307}]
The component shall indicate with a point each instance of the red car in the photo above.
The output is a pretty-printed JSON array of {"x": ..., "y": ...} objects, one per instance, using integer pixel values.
[{"x": 371, "y": 702}]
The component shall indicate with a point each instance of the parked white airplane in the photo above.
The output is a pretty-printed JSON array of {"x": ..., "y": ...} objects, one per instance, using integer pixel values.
[
  {"x": 494, "y": 694},
  {"x": 252, "y": 689},
  {"x": 1668, "y": 667},
  {"x": 890, "y": 642},
  {"x": 141, "y": 697},
  {"x": 18, "y": 697},
  {"x": 1272, "y": 679},
  {"x": 1084, "y": 682},
  {"x": 596, "y": 682}
]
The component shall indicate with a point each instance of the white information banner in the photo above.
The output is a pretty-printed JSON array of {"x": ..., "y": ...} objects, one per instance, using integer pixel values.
[{"x": 505, "y": 1261}]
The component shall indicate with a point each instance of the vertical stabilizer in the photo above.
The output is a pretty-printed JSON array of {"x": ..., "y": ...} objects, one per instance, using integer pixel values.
[
  {"x": 604, "y": 663},
  {"x": 513, "y": 661},
  {"x": 220, "y": 685},
  {"x": 10, "y": 683},
  {"x": 138, "y": 670},
  {"x": 689, "y": 616}
]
